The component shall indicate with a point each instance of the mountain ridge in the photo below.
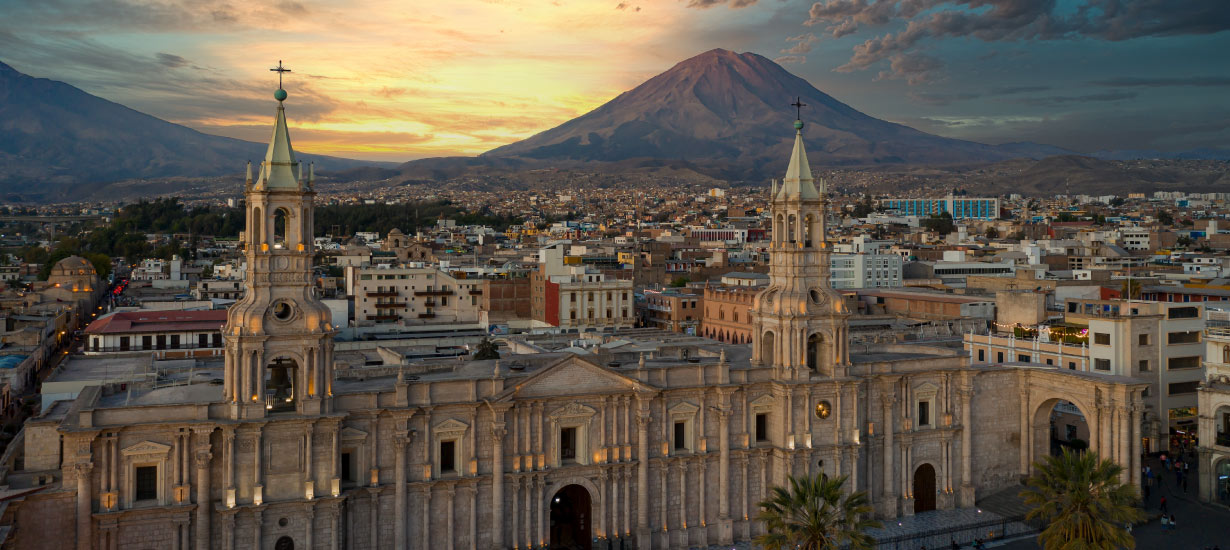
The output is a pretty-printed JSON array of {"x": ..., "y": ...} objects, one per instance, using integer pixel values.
[{"x": 63, "y": 138}]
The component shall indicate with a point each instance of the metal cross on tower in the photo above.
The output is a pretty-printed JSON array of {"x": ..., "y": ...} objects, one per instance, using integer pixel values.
[
  {"x": 280, "y": 69},
  {"x": 798, "y": 105}
]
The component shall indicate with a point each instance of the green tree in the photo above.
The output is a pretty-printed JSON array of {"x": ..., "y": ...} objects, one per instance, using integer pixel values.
[
  {"x": 1165, "y": 217},
  {"x": 941, "y": 223},
  {"x": 680, "y": 282},
  {"x": 1082, "y": 501},
  {"x": 1130, "y": 288},
  {"x": 486, "y": 349},
  {"x": 1184, "y": 241},
  {"x": 992, "y": 233},
  {"x": 813, "y": 513}
]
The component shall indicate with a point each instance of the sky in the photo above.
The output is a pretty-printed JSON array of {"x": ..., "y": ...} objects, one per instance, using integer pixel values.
[{"x": 398, "y": 80}]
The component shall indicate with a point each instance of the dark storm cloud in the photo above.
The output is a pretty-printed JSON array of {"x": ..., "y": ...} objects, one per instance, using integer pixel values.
[
  {"x": 171, "y": 60},
  {"x": 1054, "y": 100},
  {"x": 1198, "y": 81},
  {"x": 706, "y": 4},
  {"x": 1004, "y": 21},
  {"x": 1009, "y": 90}
]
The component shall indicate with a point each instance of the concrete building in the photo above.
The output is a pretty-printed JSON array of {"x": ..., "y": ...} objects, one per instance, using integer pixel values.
[
  {"x": 959, "y": 207},
  {"x": 572, "y": 296},
  {"x": 864, "y": 270},
  {"x": 412, "y": 295},
  {"x": 637, "y": 442},
  {"x": 671, "y": 310}
]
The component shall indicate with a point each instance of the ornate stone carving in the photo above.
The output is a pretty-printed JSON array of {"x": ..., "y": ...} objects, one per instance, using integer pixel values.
[{"x": 201, "y": 459}]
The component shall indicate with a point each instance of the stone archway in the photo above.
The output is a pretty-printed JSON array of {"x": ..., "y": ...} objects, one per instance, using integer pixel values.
[
  {"x": 1059, "y": 423},
  {"x": 284, "y": 543},
  {"x": 924, "y": 488},
  {"x": 571, "y": 518},
  {"x": 768, "y": 355}
]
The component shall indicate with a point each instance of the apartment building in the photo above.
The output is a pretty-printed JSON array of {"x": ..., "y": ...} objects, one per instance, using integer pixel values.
[
  {"x": 670, "y": 309},
  {"x": 958, "y": 207},
  {"x": 865, "y": 270},
  {"x": 413, "y": 294},
  {"x": 170, "y": 334}
]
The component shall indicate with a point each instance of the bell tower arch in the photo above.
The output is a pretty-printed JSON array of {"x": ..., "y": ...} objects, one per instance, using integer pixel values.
[
  {"x": 279, "y": 337},
  {"x": 801, "y": 323}
]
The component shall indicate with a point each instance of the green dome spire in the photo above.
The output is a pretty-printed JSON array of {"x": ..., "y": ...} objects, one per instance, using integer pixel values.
[
  {"x": 798, "y": 124},
  {"x": 280, "y": 94}
]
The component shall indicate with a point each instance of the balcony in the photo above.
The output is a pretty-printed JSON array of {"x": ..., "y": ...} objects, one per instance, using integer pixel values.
[
  {"x": 429, "y": 303},
  {"x": 427, "y": 315},
  {"x": 390, "y": 304},
  {"x": 382, "y": 293},
  {"x": 475, "y": 293},
  {"x": 433, "y": 293},
  {"x": 381, "y": 317}
]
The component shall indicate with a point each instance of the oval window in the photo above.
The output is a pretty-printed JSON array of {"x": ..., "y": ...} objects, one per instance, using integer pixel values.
[{"x": 282, "y": 311}]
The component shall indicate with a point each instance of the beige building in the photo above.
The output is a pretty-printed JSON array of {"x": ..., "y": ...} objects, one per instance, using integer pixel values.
[
  {"x": 413, "y": 295},
  {"x": 574, "y": 297},
  {"x": 667, "y": 445},
  {"x": 1214, "y": 444}
]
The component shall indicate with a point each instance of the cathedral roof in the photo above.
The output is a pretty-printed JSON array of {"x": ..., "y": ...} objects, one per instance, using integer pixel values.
[
  {"x": 798, "y": 183},
  {"x": 280, "y": 169}
]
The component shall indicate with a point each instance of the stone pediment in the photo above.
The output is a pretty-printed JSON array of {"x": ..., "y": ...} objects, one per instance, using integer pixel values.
[
  {"x": 683, "y": 409},
  {"x": 572, "y": 409},
  {"x": 574, "y": 376},
  {"x": 349, "y": 433},
  {"x": 763, "y": 402},
  {"x": 451, "y": 426},
  {"x": 146, "y": 448}
]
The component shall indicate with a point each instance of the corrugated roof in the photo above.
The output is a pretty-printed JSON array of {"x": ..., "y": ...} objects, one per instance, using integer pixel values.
[{"x": 158, "y": 321}]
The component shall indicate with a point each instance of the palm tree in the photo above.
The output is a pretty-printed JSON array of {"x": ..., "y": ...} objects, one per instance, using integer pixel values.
[
  {"x": 814, "y": 514},
  {"x": 1084, "y": 505}
]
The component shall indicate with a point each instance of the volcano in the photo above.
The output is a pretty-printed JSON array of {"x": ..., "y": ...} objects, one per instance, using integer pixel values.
[{"x": 734, "y": 108}]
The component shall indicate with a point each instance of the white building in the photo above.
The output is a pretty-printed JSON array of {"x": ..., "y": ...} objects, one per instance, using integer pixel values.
[
  {"x": 865, "y": 270},
  {"x": 413, "y": 294}
]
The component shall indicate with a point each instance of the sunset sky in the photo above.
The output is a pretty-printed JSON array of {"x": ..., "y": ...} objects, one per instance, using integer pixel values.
[{"x": 397, "y": 80}]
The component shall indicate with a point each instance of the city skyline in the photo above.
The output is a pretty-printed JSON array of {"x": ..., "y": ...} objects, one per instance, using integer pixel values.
[{"x": 385, "y": 81}]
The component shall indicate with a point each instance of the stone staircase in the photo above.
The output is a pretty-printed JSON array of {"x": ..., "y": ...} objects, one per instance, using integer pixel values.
[{"x": 1007, "y": 503}]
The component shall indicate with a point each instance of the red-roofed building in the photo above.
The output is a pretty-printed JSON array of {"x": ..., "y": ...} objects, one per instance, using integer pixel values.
[{"x": 170, "y": 333}]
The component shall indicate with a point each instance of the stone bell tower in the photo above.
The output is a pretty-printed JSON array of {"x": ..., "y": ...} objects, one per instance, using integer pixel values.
[
  {"x": 279, "y": 337},
  {"x": 799, "y": 323}
]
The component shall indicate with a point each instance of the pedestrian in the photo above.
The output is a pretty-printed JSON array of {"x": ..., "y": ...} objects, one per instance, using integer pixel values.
[
  {"x": 1165, "y": 524},
  {"x": 1162, "y": 505},
  {"x": 953, "y": 544},
  {"x": 1145, "y": 489},
  {"x": 1172, "y": 524}
]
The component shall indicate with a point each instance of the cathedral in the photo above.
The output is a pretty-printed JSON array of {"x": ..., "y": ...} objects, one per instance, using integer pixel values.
[{"x": 670, "y": 445}]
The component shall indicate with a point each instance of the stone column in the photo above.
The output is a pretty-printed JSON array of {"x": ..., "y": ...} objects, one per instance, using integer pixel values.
[
  {"x": 257, "y": 523},
  {"x": 228, "y": 529},
  {"x": 1124, "y": 434},
  {"x": 203, "y": 500},
  {"x": 967, "y": 451},
  {"x": 311, "y": 525},
  {"x": 643, "y": 540},
  {"x": 399, "y": 490},
  {"x": 890, "y": 477},
  {"x": 85, "y": 518},
  {"x": 1135, "y": 434},
  {"x": 497, "y": 483},
  {"x": 725, "y": 527},
  {"x": 1026, "y": 425}
]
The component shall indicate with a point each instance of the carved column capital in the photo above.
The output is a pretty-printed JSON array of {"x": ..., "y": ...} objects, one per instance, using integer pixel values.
[
  {"x": 498, "y": 432},
  {"x": 202, "y": 458},
  {"x": 83, "y": 468}
]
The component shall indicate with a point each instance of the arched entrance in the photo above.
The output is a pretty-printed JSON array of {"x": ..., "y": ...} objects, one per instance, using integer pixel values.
[
  {"x": 280, "y": 391},
  {"x": 284, "y": 543},
  {"x": 1060, "y": 424},
  {"x": 570, "y": 518},
  {"x": 924, "y": 489}
]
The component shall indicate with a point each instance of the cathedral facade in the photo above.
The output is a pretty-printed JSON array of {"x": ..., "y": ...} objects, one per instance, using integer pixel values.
[{"x": 671, "y": 444}]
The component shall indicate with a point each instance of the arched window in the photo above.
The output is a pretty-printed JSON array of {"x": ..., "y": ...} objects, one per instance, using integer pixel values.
[
  {"x": 766, "y": 348},
  {"x": 790, "y": 228},
  {"x": 257, "y": 223},
  {"x": 779, "y": 232},
  {"x": 807, "y": 227},
  {"x": 1225, "y": 354},
  {"x": 813, "y": 351},
  {"x": 279, "y": 227}
]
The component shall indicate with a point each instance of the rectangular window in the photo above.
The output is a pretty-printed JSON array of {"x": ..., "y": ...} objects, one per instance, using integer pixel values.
[
  {"x": 1183, "y": 313},
  {"x": 924, "y": 413},
  {"x": 1024, "y": 358},
  {"x": 1101, "y": 338},
  {"x": 1191, "y": 337},
  {"x": 147, "y": 342},
  {"x": 217, "y": 339},
  {"x": 124, "y": 343},
  {"x": 146, "y": 478},
  {"x": 1101, "y": 364},
  {"x": 448, "y": 457},
  {"x": 1143, "y": 339},
  {"x": 202, "y": 340},
  {"x": 762, "y": 427},
  {"x": 1180, "y": 388},
  {"x": 999, "y": 357},
  {"x": 681, "y": 436},
  {"x": 347, "y": 467},
  {"x": 1179, "y": 363},
  {"x": 161, "y": 341},
  {"x": 174, "y": 341},
  {"x": 1050, "y": 361},
  {"x": 568, "y": 444},
  {"x": 1071, "y": 365},
  {"x": 982, "y": 355}
]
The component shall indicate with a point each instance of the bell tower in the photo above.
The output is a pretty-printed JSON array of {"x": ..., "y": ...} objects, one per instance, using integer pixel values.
[
  {"x": 799, "y": 323},
  {"x": 279, "y": 337}
]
